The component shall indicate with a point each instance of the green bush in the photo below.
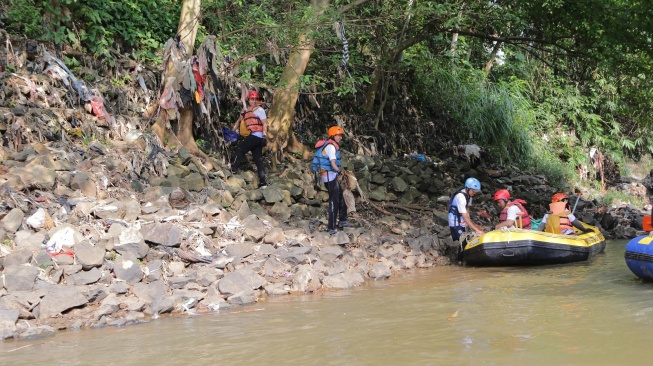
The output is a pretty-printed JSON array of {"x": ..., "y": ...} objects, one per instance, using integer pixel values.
[
  {"x": 24, "y": 17},
  {"x": 137, "y": 26}
]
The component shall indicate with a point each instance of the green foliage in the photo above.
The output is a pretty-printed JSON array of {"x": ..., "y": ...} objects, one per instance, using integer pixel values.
[
  {"x": 122, "y": 80},
  {"x": 113, "y": 255},
  {"x": 25, "y": 18},
  {"x": 491, "y": 114},
  {"x": 202, "y": 144},
  {"x": 613, "y": 197},
  {"x": 545, "y": 161},
  {"x": 98, "y": 25}
]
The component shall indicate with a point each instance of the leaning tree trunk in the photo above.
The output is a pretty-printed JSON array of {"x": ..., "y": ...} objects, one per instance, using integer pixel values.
[
  {"x": 280, "y": 134},
  {"x": 188, "y": 24},
  {"x": 382, "y": 68},
  {"x": 493, "y": 56}
]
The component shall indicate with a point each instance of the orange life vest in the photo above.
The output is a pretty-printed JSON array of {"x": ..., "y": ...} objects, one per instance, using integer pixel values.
[
  {"x": 525, "y": 217},
  {"x": 560, "y": 210},
  {"x": 252, "y": 122}
]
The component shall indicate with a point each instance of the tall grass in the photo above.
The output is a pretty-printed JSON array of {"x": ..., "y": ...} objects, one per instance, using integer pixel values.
[{"x": 495, "y": 115}]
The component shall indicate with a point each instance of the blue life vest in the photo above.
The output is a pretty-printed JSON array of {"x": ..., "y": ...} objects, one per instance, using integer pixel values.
[
  {"x": 453, "y": 209},
  {"x": 320, "y": 160}
]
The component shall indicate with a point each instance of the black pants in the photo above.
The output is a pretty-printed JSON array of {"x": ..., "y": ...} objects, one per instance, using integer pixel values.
[
  {"x": 456, "y": 233},
  {"x": 336, "y": 203},
  {"x": 255, "y": 145}
]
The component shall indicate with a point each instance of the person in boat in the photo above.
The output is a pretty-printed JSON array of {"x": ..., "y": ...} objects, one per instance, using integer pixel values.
[
  {"x": 564, "y": 221},
  {"x": 513, "y": 213},
  {"x": 458, "y": 217}
]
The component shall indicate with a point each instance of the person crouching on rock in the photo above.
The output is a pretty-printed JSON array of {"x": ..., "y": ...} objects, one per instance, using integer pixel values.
[
  {"x": 458, "y": 216},
  {"x": 252, "y": 125},
  {"x": 327, "y": 162},
  {"x": 512, "y": 212}
]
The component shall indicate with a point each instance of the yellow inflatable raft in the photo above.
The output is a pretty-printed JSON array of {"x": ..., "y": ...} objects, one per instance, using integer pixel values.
[{"x": 510, "y": 247}]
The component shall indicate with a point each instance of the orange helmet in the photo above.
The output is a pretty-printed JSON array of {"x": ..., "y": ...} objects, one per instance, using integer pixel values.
[
  {"x": 559, "y": 197},
  {"x": 253, "y": 95},
  {"x": 502, "y": 194},
  {"x": 335, "y": 130}
]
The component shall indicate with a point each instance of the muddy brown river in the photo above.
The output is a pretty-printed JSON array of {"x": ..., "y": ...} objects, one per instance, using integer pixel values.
[{"x": 591, "y": 313}]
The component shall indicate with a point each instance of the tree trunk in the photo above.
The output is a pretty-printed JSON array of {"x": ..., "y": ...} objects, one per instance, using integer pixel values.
[
  {"x": 493, "y": 56},
  {"x": 378, "y": 75},
  {"x": 188, "y": 24},
  {"x": 280, "y": 134},
  {"x": 370, "y": 95}
]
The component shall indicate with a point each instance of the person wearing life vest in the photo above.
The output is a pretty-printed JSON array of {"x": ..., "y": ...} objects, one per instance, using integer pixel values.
[
  {"x": 567, "y": 221},
  {"x": 512, "y": 212},
  {"x": 252, "y": 125},
  {"x": 458, "y": 216},
  {"x": 327, "y": 162}
]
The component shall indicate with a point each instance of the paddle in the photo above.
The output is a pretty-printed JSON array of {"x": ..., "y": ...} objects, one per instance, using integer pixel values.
[{"x": 578, "y": 194}]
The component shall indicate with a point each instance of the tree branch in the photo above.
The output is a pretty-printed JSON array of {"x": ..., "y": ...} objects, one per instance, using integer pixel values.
[{"x": 348, "y": 7}]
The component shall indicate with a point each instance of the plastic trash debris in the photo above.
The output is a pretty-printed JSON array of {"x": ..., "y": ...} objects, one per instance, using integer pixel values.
[
  {"x": 229, "y": 135},
  {"x": 420, "y": 157},
  {"x": 62, "y": 238}
]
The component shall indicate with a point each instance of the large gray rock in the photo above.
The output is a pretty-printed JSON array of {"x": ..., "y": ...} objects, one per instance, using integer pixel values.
[
  {"x": 108, "y": 306},
  {"x": 13, "y": 220},
  {"x": 281, "y": 210},
  {"x": 243, "y": 279},
  {"x": 150, "y": 292},
  {"x": 18, "y": 257},
  {"x": 83, "y": 182},
  {"x": 128, "y": 269},
  {"x": 272, "y": 194},
  {"x": 59, "y": 300},
  {"x": 154, "y": 270},
  {"x": 380, "y": 270},
  {"x": 165, "y": 234},
  {"x": 330, "y": 253},
  {"x": 340, "y": 238},
  {"x": 19, "y": 278},
  {"x": 242, "y": 298},
  {"x": 39, "y": 331},
  {"x": 274, "y": 236},
  {"x": 8, "y": 319},
  {"x": 343, "y": 280},
  {"x": 162, "y": 306},
  {"x": 275, "y": 268},
  {"x": 240, "y": 250},
  {"x": 38, "y": 177},
  {"x": 253, "y": 228},
  {"x": 398, "y": 184},
  {"x": 130, "y": 240},
  {"x": 89, "y": 255},
  {"x": 306, "y": 280},
  {"x": 29, "y": 240},
  {"x": 85, "y": 277}
]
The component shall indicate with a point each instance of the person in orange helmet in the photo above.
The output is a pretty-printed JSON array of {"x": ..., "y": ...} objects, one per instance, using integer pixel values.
[
  {"x": 512, "y": 212},
  {"x": 252, "y": 125},
  {"x": 327, "y": 162},
  {"x": 567, "y": 220}
]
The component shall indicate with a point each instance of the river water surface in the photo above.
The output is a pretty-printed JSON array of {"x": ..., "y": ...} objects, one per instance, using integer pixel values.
[{"x": 590, "y": 313}]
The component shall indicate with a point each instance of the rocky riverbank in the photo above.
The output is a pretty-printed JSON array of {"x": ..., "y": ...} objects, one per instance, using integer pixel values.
[{"x": 101, "y": 226}]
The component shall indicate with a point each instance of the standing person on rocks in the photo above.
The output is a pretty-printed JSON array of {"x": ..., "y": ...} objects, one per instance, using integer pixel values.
[
  {"x": 512, "y": 212},
  {"x": 459, "y": 218},
  {"x": 560, "y": 219},
  {"x": 327, "y": 162},
  {"x": 252, "y": 125}
]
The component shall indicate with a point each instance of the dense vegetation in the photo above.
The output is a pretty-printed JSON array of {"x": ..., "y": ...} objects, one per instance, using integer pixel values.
[{"x": 538, "y": 82}]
